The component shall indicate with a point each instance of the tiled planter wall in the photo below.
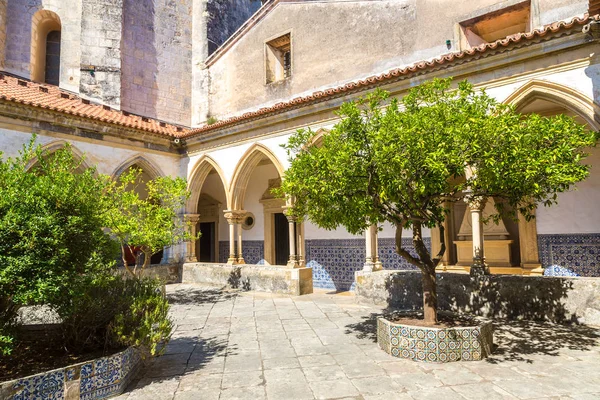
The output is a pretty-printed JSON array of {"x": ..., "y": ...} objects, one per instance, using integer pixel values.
[
  {"x": 578, "y": 251},
  {"x": 420, "y": 343},
  {"x": 97, "y": 379}
]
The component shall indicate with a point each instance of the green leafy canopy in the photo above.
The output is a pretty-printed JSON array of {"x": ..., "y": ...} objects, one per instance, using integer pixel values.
[{"x": 401, "y": 161}]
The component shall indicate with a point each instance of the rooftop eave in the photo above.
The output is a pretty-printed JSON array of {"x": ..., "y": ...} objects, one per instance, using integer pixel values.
[{"x": 450, "y": 60}]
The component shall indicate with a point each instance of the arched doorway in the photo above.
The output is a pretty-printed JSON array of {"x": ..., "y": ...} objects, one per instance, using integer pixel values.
[
  {"x": 273, "y": 238},
  {"x": 568, "y": 233},
  {"x": 148, "y": 172},
  {"x": 205, "y": 212}
]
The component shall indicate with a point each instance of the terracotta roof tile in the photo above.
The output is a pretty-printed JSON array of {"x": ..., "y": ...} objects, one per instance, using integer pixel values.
[
  {"x": 53, "y": 98},
  {"x": 418, "y": 66}
]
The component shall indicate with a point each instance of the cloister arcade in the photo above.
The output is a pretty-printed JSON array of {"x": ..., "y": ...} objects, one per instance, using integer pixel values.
[{"x": 248, "y": 219}]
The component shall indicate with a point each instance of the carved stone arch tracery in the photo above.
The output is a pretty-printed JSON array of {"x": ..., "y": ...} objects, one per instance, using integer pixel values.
[
  {"x": 140, "y": 161},
  {"x": 52, "y": 147},
  {"x": 249, "y": 161},
  {"x": 196, "y": 180},
  {"x": 560, "y": 95}
]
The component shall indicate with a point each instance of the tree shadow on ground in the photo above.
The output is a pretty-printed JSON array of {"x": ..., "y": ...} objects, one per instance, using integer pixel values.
[
  {"x": 522, "y": 340},
  {"x": 200, "y": 296},
  {"x": 184, "y": 356},
  {"x": 514, "y": 340},
  {"x": 188, "y": 352}
]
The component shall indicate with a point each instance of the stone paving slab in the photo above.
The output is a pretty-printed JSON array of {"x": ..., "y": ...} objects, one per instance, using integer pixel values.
[{"x": 234, "y": 345}]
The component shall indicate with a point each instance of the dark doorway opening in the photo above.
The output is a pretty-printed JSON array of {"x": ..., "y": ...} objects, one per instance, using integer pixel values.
[
  {"x": 207, "y": 242},
  {"x": 282, "y": 239}
]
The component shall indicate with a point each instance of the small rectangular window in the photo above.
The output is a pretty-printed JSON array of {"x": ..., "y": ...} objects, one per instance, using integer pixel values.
[
  {"x": 495, "y": 25},
  {"x": 278, "y": 53}
]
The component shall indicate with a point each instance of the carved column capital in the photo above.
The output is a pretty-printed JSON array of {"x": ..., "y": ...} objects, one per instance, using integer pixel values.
[
  {"x": 193, "y": 218},
  {"x": 234, "y": 216},
  {"x": 476, "y": 203}
]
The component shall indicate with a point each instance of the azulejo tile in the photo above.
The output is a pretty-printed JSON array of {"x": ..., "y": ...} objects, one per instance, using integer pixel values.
[
  {"x": 52, "y": 385},
  {"x": 427, "y": 345},
  {"x": 579, "y": 252},
  {"x": 87, "y": 370},
  {"x": 335, "y": 261}
]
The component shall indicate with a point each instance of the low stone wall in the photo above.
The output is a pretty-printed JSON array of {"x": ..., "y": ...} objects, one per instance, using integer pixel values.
[
  {"x": 97, "y": 379},
  {"x": 555, "y": 299},
  {"x": 260, "y": 278},
  {"x": 168, "y": 273}
]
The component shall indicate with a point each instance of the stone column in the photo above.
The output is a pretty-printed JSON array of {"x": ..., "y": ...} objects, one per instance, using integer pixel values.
[
  {"x": 372, "y": 262},
  {"x": 530, "y": 257},
  {"x": 240, "y": 254},
  {"x": 231, "y": 220},
  {"x": 476, "y": 206},
  {"x": 293, "y": 260},
  {"x": 191, "y": 255},
  {"x": 368, "y": 266},
  {"x": 300, "y": 241},
  {"x": 377, "y": 266}
]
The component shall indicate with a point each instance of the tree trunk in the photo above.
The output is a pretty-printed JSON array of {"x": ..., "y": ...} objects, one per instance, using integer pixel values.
[
  {"x": 124, "y": 258},
  {"x": 429, "y": 297},
  {"x": 427, "y": 267}
]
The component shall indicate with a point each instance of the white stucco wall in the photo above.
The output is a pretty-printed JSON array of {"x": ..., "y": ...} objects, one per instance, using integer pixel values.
[
  {"x": 577, "y": 210},
  {"x": 214, "y": 188},
  {"x": 107, "y": 159}
]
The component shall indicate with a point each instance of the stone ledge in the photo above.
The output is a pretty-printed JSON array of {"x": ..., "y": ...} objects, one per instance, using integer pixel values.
[
  {"x": 430, "y": 344},
  {"x": 96, "y": 379},
  {"x": 555, "y": 299},
  {"x": 260, "y": 278}
]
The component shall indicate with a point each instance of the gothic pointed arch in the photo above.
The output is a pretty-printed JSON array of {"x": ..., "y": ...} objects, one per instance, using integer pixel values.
[
  {"x": 196, "y": 180},
  {"x": 560, "y": 95},
  {"x": 57, "y": 145},
  {"x": 317, "y": 139},
  {"x": 241, "y": 176},
  {"x": 140, "y": 161}
]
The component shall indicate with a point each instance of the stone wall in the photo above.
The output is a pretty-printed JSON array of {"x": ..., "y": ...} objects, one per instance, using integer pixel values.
[
  {"x": 337, "y": 41},
  {"x": 18, "y": 37},
  {"x": 157, "y": 59},
  {"x": 225, "y": 17},
  {"x": 260, "y": 278},
  {"x": 507, "y": 296},
  {"x": 2, "y": 32},
  {"x": 101, "y": 25}
]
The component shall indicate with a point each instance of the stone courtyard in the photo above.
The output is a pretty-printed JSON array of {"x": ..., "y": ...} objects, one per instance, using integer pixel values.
[{"x": 247, "y": 345}]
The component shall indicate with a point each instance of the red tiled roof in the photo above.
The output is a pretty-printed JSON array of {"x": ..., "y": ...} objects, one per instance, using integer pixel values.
[
  {"x": 49, "y": 97},
  {"x": 53, "y": 98},
  {"x": 594, "y": 7},
  {"x": 397, "y": 73}
]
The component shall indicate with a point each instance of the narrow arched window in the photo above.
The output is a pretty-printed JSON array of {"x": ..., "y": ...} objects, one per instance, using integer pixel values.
[
  {"x": 52, "y": 75},
  {"x": 45, "y": 47}
]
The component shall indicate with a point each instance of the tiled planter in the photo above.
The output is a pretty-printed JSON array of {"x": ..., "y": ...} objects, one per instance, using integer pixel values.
[
  {"x": 420, "y": 343},
  {"x": 97, "y": 379}
]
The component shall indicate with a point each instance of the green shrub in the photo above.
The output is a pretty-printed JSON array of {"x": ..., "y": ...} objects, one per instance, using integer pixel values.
[
  {"x": 145, "y": 322},
  {"x": 50, "y": 230},
  {"x": 115, "y": 312}
]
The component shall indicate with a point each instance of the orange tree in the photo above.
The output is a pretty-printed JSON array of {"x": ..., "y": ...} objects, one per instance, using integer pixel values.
[{"x": 400, "y": 161}]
